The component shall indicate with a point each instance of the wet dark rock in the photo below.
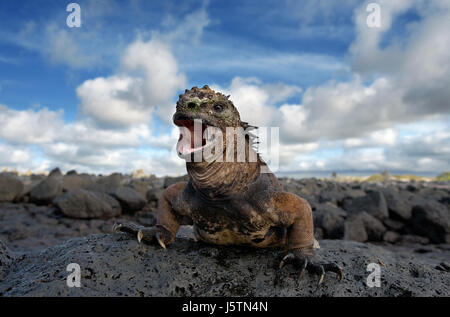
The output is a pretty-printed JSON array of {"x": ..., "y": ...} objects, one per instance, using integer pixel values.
[
  {"x": 117, "y": 265},
  {"x": 129, "y": 199},
  {"x": 85, "y": 204},
  {"x": 10, "y": 188}
]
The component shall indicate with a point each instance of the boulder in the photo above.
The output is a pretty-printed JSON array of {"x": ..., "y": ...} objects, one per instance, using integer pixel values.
[
  {"x": 72, "y": 182},
  {"x": 373, "y": 203},
  {"x": 85, "y": 204},
  {"x": 398, "y": 203},
  {"x": 431, "y": 220},
  {"x": 154, "y": 194},
  {"x": 10, "y": 188},
  {"x": 130, "y": 200},
  {"x": 139, "y": 186},
  {"x": 117, "y": 265},
  {"x": 393, "y": 225},
  {"x": 391, "y": 236},
  {"x": 55, "y": 172},
  {"x": 112, "y": 181},
  {"x": 330, "y": 219},
  {"x": 47, "y": 190},
  {"x": 374, "y": 227},
  {"x": 355, "y": 230}
]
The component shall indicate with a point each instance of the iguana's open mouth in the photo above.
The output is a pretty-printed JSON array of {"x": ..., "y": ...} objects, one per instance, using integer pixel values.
[{"x": 195, "y": 136}]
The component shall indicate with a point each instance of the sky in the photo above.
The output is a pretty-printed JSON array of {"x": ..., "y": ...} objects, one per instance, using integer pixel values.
[{"x": 345, "y": 96}]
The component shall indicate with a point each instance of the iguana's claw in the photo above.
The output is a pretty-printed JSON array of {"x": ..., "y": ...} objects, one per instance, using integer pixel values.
[
  {"x": 116, "y": 227},
  {"x": 148, "y": 234},
  {"x": 302, "y": 263}
]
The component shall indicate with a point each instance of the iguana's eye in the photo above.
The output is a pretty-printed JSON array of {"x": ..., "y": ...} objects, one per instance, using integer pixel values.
[{"x": 218, "y": 107}]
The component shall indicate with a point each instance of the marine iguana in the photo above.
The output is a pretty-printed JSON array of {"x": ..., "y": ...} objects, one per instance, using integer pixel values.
[{"x": 230, "y": 203}]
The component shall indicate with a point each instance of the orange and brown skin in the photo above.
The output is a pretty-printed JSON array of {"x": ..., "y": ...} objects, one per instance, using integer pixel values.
[{"x": 233, "y": 203}]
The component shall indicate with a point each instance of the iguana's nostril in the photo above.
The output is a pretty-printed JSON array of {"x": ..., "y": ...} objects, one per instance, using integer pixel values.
[{"x": 191, "y": 105}]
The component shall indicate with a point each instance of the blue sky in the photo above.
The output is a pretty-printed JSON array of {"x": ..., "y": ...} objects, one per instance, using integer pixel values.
[{"x": 345, "y": 96}]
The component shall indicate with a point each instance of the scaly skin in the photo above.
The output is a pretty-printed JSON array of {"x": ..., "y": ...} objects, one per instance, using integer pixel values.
[{"x": 233, "y": 203}]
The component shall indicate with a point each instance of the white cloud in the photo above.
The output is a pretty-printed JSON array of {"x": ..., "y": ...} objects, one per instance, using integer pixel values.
[
  {"x": 28, "y": 126},
  {"x": 61, "y": 47}
]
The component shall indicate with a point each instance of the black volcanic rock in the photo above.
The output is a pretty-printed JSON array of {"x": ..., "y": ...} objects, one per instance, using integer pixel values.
[
  {"x": 117, "y": 265},
  {"x": 373, "y": 203},
  {"x": 432, "y": 220}
]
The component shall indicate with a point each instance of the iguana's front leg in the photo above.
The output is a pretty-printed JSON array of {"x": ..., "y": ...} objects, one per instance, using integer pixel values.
[
  {"x": 168, "y": 220},
  {"x": 295, "y": 213}
]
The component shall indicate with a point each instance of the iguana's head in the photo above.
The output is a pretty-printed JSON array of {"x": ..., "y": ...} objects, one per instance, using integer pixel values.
[{"x": 206, "y": 108}]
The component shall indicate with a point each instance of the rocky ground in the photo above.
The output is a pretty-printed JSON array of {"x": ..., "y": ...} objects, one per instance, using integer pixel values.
[{"x": 47, "y": 222}]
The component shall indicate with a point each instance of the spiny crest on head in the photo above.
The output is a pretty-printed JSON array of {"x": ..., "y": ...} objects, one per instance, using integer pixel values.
[{"x": 204, "y": 92}]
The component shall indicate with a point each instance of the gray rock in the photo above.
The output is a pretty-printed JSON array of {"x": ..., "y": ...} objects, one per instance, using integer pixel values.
[
  {"x": 154, "y": 194},
  {"x": 10, "y": 188},
  {"x": 130, "y": 200},
  {"x": 55, "y": 172},
  {"x": 112, "y": 181},
  {"x": 432, "y": 220},
  {"x": 413, "y": 239},
  {"x": 393, "y": 225},
  {"x": 117, "y": 265},
  {"x": 47, "y": 190},
  {"x": 373, "y": 203},
  {"x": 139, "y": 186},
  {"x": 398, "y": 203},
  {"x": 72, "y": 182},
  {"x": 374, "y": 227},
  {"x": 355, "y": 230},
  {"x": 330, "y": 219},
  {"x": 391, "y": 236},
  {"x": 333, "y": 196},
  {"x": 84, "y": 204}
]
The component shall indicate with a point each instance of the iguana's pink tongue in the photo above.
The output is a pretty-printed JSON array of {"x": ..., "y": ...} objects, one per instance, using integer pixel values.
[{"x": 186, "y": 143}]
